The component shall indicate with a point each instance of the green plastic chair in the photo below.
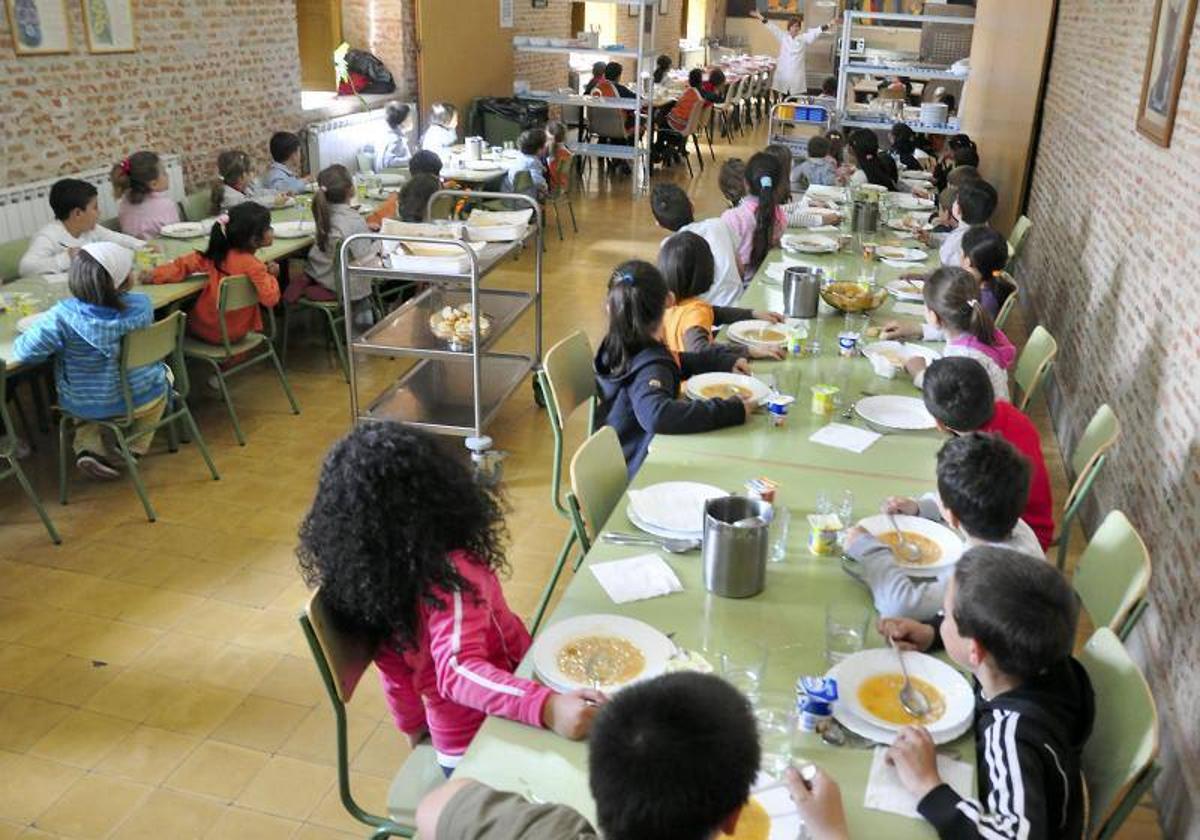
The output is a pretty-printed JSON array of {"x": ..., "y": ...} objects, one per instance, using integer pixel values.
[
  {"x": 342, "y": 658},
  {"x": 1034, "y": 365},
  {"x": 9, "y": 465},
  {"x": 1016, "y": 239},
  {"x": 556, "y": 198},
  {"x": 1010, "y": 302},
  {"x": 1101, "y": 434},
  {"x": 331, "y": 311},
  {"x": 598, "y": 479},
  {"x": 237, "y": 292},
  {"x": 1113, "y": 575},
  {"x": 158, "y": 342},
  {"x": 1119, "y": 759},
  {"x": 10, "y": 258},
  {"x": 365, "y": 162},
  {"x": 196, "y": 205},
  {"x": 567, "y": 381}
]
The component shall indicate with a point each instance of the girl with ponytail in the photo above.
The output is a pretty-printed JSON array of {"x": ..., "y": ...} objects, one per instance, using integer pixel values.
[
  {"x": 758, "y": 222},
  {"x": 335, "y": 221},
  {"x": 869, "y": 165},
  {"x": 985, "y": 254},
  {"x": 140, "y": 184},
  {"x": 232, "y": 243},
  {"x": 954, "y": 310},
  {"x": 236, "y": 182}
]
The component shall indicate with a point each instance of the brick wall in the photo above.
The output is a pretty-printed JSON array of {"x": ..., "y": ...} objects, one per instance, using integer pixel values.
[
  {"x": 543, "y": 71},
  {"x": 208, "y": 75},
  {"x": 666, "y": 33},
  {"x": 1109, "y": 268},
  {"x": 387, "y": 28}
]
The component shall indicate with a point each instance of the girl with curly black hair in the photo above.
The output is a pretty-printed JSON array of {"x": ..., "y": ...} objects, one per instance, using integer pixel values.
[{"x": 405, "y": 545}]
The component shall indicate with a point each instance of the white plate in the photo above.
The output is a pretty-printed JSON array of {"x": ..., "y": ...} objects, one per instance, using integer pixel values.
[
  {"x": 948, "y": 541},
  {"x": 26, "y": 323},
  {"x": 642, "y": 525},
  {"x": 812, "y": 243},
  {"x": 483, "y": 165},
  {"x": 294, "y": 230},
  {"x": 911, "y": 202},
  {"x": 875, "y": 188},
  {"x": 184, "y": 230},
  {"x": 273, "y": 203},
  {"x": 895, "y": 252},
  {"x": 904, "y": 351},
  {"x": 911, "y": 223},
  {"x": 917, "y": 175},
  {"x": 902, "y": 289},
  {"x": 895, "y": 412},
  {"x": 696, "y": 385},
  {"x": 655, "y": 647},
  {"x": 956, "y": 691},
  {"x": 750, "y": 333},
  {"x": 831, "y": 192},
  {"x": 391, "y": 179},
  {"x": 674, "y": 507}
]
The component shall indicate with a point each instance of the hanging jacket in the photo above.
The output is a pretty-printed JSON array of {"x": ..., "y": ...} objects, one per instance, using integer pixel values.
[{"x": 85, "y": 341}]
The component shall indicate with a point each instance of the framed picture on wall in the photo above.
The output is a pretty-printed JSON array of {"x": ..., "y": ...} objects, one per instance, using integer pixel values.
[
  {"x": 109, "y": 26},
  {"x": 39, "y": 26},
  {"x": 1170, "y": 33}
]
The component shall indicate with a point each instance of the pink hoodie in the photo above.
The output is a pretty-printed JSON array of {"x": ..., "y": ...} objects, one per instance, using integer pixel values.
[
  {"x": 461, "y": 670},
  {"x": 1000, "y": 351},
  {"x": 742, "y": 221}
]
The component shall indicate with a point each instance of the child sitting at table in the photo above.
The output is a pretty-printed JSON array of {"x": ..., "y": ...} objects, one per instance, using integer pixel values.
[
  {"x": 731, "y": 180},
  {"x": 758, "y": 222},
  {"x": 865, "y": 164},
  {"x": 974, "y": 205},
  {"x": 281, "y": 175},
  {"x": 693, "y": 97},
  {"x": 232, "y": 243},
  {"x": 83, "y": 333},
  {"x": 335, "y": 220},
  {"x": 558, "y": 156},
  {"x": 443, "y": 129},
  {"x": 983, "y": 484},
  {"x": 397, "y": 151},
  {"x": 140, "y": 183},
  {"x": 672, "y": 209},
  {"x": 418, "y": 582},
  {"x": 639, "y": 378},
  {"x": 531, "y": 144},
  {"x": 819, "y": 168},
  {"x": 958, "y": 393},
  {"x": 954, "y": 312},
  {"x": 686, "y": 264},
  {"x": 1010, "y": 620},
  {"x": 414, "y": 197},
  {"x": 985, "y": 253},
  {"x": 783, "y": 190},
  {"x": 76, "y": 210},
  {"x": 236, "y": 182}
]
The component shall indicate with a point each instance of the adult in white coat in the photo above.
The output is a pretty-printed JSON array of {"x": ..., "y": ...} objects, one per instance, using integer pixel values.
[{"x": 790, "y": 74}]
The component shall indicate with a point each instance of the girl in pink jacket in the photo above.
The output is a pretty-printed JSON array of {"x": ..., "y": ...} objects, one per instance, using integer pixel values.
[{"x": 405, "y": 546}]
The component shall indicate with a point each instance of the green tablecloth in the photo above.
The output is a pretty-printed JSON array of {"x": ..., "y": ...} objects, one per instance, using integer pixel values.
[{"x": 788, "y": 616}]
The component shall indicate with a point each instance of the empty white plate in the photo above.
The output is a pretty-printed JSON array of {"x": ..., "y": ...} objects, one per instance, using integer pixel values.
[
  {"x": 895, "y": 412},
  {"x": 895, "y": 252},
  {"x": 184, "y": 230},
  {"x": 812, "y": 243},
  {"x": 294, "y": 230},
  {"x": 672, "y": 508}
]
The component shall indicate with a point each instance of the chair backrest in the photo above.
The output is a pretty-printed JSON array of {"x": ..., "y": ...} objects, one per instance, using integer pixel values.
[
  {"x": 570, "y": 375},
  {"x": 365, "y": 161},
  {"x": 523, "y": 182},
  {"x": 694, "y": 118},
  {"x": 1124, "y": 740},
  {"x": 196, "y": 205},
  {"x": 341, "y": 657},
  {"x": 1034, "y": 364},
  {"x": 1016, "y": 239},
  {"x": 237, "y": 292},
  {"x": 598, "y": 477},
  {"x": 1113, "y": 574},
  {"x": 1098, "y": 437},
  {"x": 1010, "y": 302},
  {"x": 155, "y": 343},
  {"x": 607, "y": 122},
  {"x": 10, "y": 258}
]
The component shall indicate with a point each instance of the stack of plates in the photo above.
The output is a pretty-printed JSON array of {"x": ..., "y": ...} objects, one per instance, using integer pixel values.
[
  {"x": 852, "y": 671},
  {"x": 890, "y": 411},
  {"x": 934, "y": 113},
  {"x": 911, "y": 202},
  {"x": 655, "y": 647},
  {"x": 672, "y": 509}
]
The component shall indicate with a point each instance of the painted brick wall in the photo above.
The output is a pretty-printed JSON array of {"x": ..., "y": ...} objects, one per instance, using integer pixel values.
[
  {"x": 1110, "y": 270},
  {"x": 208, "y": 75}
]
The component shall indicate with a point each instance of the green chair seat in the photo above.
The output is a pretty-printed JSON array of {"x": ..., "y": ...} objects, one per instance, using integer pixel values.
[
  {"x": 1033, "y": 365},
  {"x": 10, "y": 258},
  {"x": 1090, "y": 454},
  {"x": 196, "y": 347},
  {"x": 417, "y": 776},
  {"x": 1113, "y": 575}
]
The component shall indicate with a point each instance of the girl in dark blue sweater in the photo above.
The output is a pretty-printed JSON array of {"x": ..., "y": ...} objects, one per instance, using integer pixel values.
[{"x": 638, "y": 377}]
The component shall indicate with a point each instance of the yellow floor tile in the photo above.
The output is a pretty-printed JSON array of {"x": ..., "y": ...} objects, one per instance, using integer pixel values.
[
  {"x": 161, "y": 609},
  {"x": 72, "y": 681},
  {"x": 260, "y": 723},
  {"x": 147, "y": 755},
  {"x": 217, "y": 770},
  {"x": 240, "y": 823},
  {"x": 82, "y": 739},
  {"x": 197, "y": 711},
  {"x": 31, "y": 785},
  {"x": 21, "y": 665},
  {"x": 293, "y": 679},
  {"x": 236, "y": 668},
  {"x": 369, "y": 791},
  {"x": 92, "y": 807},
  {"x": 288, "y": 787},
  {"x": 382, "y": 753},
  {"x": 19, "y": 619},
  {"x": 133, "y": 694},
  {"x": 309, "y": 831},
  {"x": 25, "y": 720},
  {"x": 315, "y": 739},
  {"x": 114, "y": 642},
  {"x": 9, "y": 830},
  {"x": 180, "y": 656},
  {"x": 250, "y": 588},
  {"x": 166, "y": 813},
  {"x": 217, "y": 620}
]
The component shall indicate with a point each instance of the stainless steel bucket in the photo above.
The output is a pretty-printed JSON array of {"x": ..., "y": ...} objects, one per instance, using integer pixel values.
[
  {"x": 735, "y": 555},
  {"x": 801, "y": 291}
]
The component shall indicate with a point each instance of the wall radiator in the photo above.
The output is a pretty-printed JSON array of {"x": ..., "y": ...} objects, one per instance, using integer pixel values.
[
  {"x": 24, "y": 208},
  {"x": 340, "y": 140}
]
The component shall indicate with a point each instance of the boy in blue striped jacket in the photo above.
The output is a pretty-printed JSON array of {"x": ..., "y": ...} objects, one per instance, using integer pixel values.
[{"x": 83, "y": 333}]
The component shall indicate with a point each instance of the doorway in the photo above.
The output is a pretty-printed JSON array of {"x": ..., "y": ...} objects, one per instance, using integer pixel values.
[{"x": 319, "y": 32}]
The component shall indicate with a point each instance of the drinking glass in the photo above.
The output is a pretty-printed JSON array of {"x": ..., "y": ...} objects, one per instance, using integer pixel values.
[
  {"x": 846, "y": 508},
  {"x": 781, "y": 519},
  {"x": 743, "y": 665},
  {"x": 856, "y": 324},
  {"x": 845, "y": 630},
  {"x": 778, "y": 727}
]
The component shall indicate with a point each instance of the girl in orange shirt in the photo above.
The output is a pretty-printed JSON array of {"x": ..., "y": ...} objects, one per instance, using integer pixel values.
[
  {"x": 230, "y": 251},
  {"x": 558, "y": 156}
]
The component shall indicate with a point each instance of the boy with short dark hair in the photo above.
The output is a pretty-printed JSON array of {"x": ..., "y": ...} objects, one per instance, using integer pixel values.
[
  {"x": 672, "y": 209},
  {"x": 819, "y": 168},
  {"x": 285, "y": 163},
  {"x": 425, "y": 162},
  {"x": 959, "y": 395},
  {"x": 531, "y": 143},
  {"x": 983, "y": 483},
  {"x": 1011, "y": 620},
  {"x": 76, "y": 211},
  {"x": 974, "y": 205}
]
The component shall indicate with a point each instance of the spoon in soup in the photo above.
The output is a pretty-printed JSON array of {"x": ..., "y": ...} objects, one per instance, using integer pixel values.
[
  {"x": 906, "y": 550},
  {"x": 913, "y": 701}
]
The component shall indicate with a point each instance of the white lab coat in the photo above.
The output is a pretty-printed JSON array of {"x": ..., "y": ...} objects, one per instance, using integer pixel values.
[{"x": 790, "y": 73}]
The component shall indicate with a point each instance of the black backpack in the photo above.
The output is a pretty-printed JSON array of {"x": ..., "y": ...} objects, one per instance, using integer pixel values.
[{"x": 379, "y": 78}]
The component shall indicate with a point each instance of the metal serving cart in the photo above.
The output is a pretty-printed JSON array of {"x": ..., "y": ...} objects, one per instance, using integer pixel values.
[
  {"x": 796, "y": 119},
  {"x": 454, "y": 388}
]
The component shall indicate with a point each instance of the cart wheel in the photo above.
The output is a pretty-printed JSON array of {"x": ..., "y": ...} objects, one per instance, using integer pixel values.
[{"x": 538, "y": 396}]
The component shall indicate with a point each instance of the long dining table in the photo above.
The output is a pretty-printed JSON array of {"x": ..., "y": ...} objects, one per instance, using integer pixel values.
[{"x": 788, "y": 617}]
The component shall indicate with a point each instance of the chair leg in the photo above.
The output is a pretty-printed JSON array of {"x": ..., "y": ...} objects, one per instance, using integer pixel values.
[
  {"x": 63, "y": 452},
  {"x": 559, "y": 564},
  {"x": 200, "y": 444},
  {"x": 237, "y": 427},
  {"x": 134, "y": 475},
  {"x": 699, "y": 151},
  {"x": 338, "y": 344},
  {"x": 558, "y": 221},
  {"x": 41, "y": 404},
  {"x": 287, "y": 328},
  {"x": 688, "y": 160},
  {"x": 35, "y": 501},
  {"x": 287, "y": 388}
]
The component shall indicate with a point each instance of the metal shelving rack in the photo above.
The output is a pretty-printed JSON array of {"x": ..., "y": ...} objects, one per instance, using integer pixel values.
[
  {"x": 639, "y": 152},
  {"x": 848, "y": 68},
  {"x": 448, "y": 391}
]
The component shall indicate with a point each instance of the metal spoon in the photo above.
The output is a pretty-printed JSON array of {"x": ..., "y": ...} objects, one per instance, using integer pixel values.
[
  {"x": 836, "y": 735},
  {"x": 913, "y": 701},
  {"x": 909, "y": 552},
  {"x": 672, "y": 544}
]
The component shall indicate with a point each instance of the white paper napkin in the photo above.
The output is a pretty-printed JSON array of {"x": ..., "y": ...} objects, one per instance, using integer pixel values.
[
  {"x": 841, "y": 436},
  {"x": 636, "y": 578},
  {"x": 909, "y": 309},
  {"x": 885, "y": 793},
  {"x": 901, "y": 263}
]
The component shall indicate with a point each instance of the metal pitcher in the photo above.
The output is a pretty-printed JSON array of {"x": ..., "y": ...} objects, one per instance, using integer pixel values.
[
  {"x": 474, "y": 148},
  {"x": 865, "y": 217},
  {"x": 801, "y": 291},
  {"x": 735, "y": 546}
]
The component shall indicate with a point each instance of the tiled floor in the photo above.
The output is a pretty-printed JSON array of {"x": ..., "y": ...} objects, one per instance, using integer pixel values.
[{"x": 153, "y": 680}]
